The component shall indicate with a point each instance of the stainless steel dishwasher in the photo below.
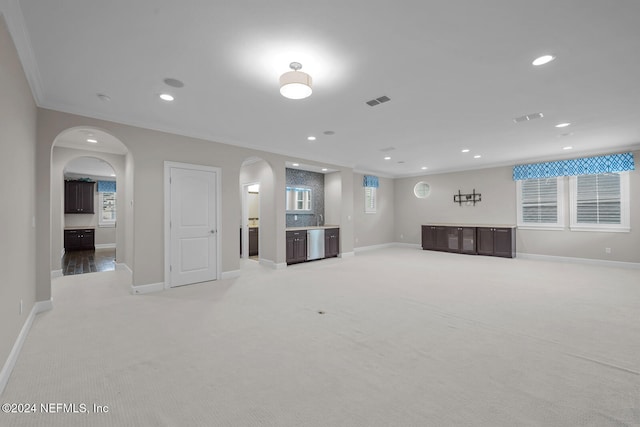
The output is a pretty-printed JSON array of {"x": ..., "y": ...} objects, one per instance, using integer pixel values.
[{"x": 315, "y": 244}]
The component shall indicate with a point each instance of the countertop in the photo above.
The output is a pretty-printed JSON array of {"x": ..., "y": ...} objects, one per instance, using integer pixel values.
[
  {"x": 312, "y": 227},
  {"x": 470, "y": 225},
  {"x": 88, "y": 227}
]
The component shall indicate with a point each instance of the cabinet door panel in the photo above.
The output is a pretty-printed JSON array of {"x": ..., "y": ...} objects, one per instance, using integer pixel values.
[
  {"x": 502, "y": 242},
  {"x": 485, "y": 241},
  {"x": 441, "y": 239}
]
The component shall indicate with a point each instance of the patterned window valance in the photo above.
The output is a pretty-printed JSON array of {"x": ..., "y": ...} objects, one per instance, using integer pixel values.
[
  {"x": 585, "y": 166},
  {"x": 106, "y": 186},
  {"x": 370, "y": 181}
]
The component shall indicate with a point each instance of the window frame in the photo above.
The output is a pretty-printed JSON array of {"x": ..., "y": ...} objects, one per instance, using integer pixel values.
[
  {"x": 560, "y": 208},
  {"x": 106, "y": 223},
  {"x": 623, "y": 227},
  {"x": 370, "y": 200}
]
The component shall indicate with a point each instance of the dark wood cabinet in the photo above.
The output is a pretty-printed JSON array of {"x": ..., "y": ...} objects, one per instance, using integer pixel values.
[
  {"x": 78, "y": 197},
  {"x": 79, "y": 240},
  {"x": 331, "y": 242},
  {"x": 253, "y": 241},
  {"x": 296, "y": 246},
  {"x": 496, "y": 241},
  {"x": 449, "y": 239}
]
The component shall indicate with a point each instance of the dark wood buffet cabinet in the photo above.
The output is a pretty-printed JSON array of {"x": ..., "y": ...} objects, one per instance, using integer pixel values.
[{"x": 474, "y": 240}]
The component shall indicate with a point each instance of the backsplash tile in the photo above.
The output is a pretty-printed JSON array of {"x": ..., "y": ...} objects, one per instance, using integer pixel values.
[{"x": 315, "y": 181}]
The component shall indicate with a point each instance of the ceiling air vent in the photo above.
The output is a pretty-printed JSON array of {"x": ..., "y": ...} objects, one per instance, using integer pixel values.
[
  {"x": 380, "y": 100},
  {"x": 528, "y": 117},
  {"x": 386, "y": 150}
]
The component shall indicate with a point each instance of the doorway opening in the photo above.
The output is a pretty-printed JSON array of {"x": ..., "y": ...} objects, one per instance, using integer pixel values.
[{"x": 250, "y": 232}]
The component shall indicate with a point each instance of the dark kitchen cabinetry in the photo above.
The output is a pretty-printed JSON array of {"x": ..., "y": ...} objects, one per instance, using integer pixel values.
[
  {"x": 79, "y": 240},
  {"x": 296, "y": 246},
  {"x": 253, "y": 241},
  {"x": 449, "y": 239},
  {"x": 497, "y": 241},
  {"x": 494, "y": 241},
  {"x": 78, "y": 197},
  {"x": 331, "y": 242}
]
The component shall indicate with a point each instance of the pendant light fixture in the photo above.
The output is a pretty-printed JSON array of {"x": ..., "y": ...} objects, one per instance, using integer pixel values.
[{"x": 295, "y": 84}]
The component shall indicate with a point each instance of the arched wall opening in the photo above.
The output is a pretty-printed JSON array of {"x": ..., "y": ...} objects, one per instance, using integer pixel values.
[
  {"x": 256, "y": 172},
  {"x": 91, "y": 146}
]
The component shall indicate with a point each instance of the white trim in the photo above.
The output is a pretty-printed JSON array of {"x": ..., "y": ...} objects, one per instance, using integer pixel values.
[
  {"x": 346, "y": 254},
  {"x": 372, "y": 247},
  {"x": 5, "y": 373},
  {"x": 167, "y": 215},
  {"x": 146, "y": 289},
  {"x": 600, "y": 262},
  {"x": 124, "y": 267},
  {"x": 106, "y": 246},
  {"x": 55, "y": 274},
  {"x": 272, "y": 264},
  {"x": 230, "y": 274}
]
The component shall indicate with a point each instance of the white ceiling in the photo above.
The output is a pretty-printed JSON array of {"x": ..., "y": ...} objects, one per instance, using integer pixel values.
[{"x": 457, "y": 73}]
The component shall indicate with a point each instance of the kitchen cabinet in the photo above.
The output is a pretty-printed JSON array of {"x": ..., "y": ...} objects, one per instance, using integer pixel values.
[
  {"x": 497, "y": 241},
  {"x": 493, "y": 241},
  {"x": 253, "y": 241},
  {"x": 331, "y": 242},
  {"x": 296, "y": 246},
  {"x": 78, "y": 197},
  {"x": 449, "y": 239},
  {"x": 79, "y": 240}
]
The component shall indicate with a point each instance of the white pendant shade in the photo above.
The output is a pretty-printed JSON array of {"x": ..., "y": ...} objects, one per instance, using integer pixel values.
[{"x": 295, "y": 85}]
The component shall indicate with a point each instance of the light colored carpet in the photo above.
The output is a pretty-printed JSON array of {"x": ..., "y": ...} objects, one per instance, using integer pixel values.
[{"x": 407, "y": 338}]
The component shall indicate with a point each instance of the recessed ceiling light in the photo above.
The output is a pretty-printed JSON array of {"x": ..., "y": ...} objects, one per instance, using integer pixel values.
[
  {"x": 466, "y": 150},
  {"x": 91, "y": 140},
  {"x": 477, "y": 156},
  {"x": 329, "y": 132},
  {"x": 324, "y": 169},
  {"x": 296, "y": 164},
  {"x": 562, "y": 125},
  {"x": 387, "y": 158},
  {"x": 173, "y": 82},
  {"x": 311, "y": 138},
  {"x": 103, "y": 97},
  {"x": 424, "y": 168},
  {"x": 567, "y": 148},
  {"x": 544, "y": 59},
  {"x": 166, "y": 97}
]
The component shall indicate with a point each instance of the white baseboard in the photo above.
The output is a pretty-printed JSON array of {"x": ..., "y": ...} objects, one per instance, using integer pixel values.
[
  {"x": 230, "y": 274},
  {"x": 106, "y": 246},
  {"x": 55, "y": 274},
  {"x": 146, "y": 289},
  {"x": 272, "y": 264},
  {"x": 123, "y": 266},
  {"x": 600, "y": 262},
  {"x": 38, "y": 307},
  {"x": 347, "y": 254},
  {"x": 373, "y": 247}
]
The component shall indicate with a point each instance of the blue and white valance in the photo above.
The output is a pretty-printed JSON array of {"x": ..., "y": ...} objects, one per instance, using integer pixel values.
[
  {"x": 370, "y": 181},
  {"x": 585, "y": 166},
  {"x": 106, "y": 186}
]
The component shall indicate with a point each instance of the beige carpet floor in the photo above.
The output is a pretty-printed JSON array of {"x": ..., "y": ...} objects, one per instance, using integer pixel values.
[{"x": 393, "y": 337}]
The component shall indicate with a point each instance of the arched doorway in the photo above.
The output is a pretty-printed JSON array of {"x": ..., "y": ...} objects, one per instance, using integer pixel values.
[
  {"x": 91, "y": 155},
  {"x": 257, "y": 224}
]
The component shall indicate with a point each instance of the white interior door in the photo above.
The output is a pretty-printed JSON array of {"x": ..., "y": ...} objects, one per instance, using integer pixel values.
[{"x": 193, "y": 222}]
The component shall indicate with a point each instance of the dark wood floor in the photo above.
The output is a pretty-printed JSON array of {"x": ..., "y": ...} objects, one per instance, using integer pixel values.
[{"x": 80, "y": 262}]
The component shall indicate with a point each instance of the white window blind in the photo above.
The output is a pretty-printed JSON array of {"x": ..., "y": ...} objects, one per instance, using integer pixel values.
[
  {"x": 540, "y": 202},
  {"x": 107, "y": 208},
  {"x": 600, "y": 202},
  {"x": 370, "y": 200}
]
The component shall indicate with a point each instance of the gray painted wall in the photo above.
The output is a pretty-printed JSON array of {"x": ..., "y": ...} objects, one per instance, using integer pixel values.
[
  {"x": 18, "y": 114},
  {"x": 315, "y": 181},
  {"x": 373, "y": 229},
  {"x": 498, "y": 206}
]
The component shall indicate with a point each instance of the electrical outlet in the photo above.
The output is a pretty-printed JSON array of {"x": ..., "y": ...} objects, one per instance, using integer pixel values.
[
  {"x": 607, "y": 250},
  {"x": 295, "y": 217},
  {"x": 20, "y": 306}
]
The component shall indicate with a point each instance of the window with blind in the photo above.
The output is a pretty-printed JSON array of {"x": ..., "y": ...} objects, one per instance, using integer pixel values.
[
  {"x": 600, "y": 202},
  {"x": 107, "y": 209},
  {"x": 370, "y": 202},
  {"x": 540, "y": 203}
]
